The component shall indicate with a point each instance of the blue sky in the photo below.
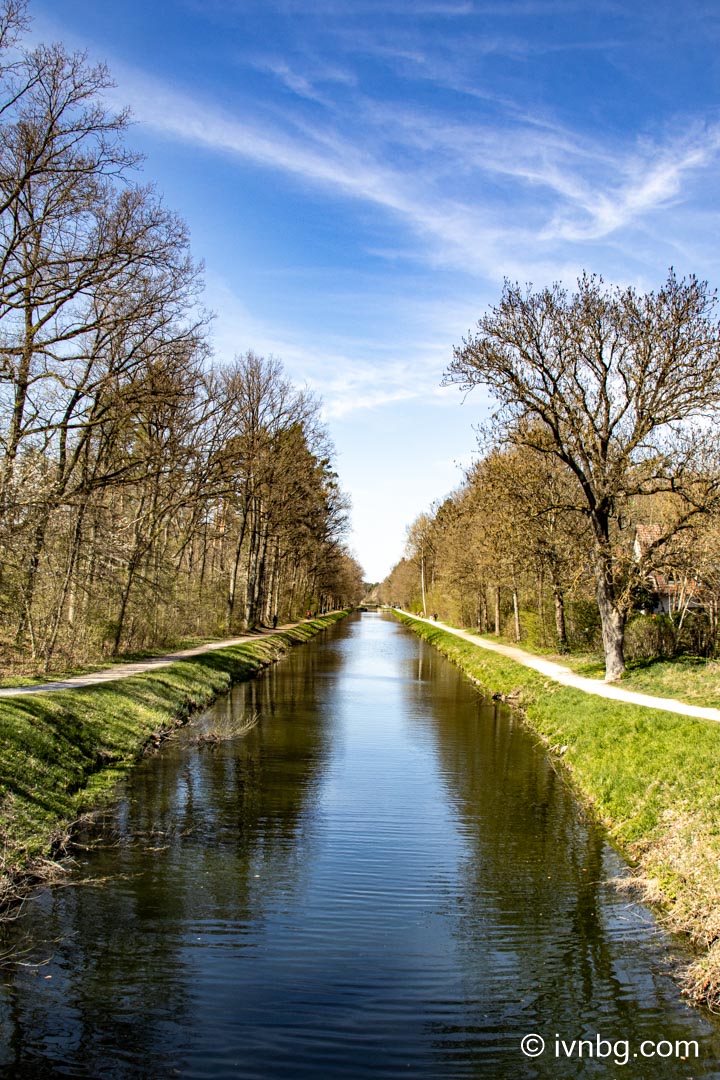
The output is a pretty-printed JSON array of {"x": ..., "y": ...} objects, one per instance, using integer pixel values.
[{"x": 359, "y": 176}]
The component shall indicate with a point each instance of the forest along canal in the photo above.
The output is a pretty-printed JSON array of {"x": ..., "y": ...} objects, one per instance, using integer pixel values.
[{"x": 384, "y": 877}]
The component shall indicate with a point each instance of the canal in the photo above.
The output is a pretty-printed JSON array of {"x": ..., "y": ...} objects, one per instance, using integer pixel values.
[{"x": 384, "y": 877}]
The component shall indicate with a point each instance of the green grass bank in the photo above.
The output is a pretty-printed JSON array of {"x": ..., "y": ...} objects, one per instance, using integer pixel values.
[
  {"x": 63, "y": 752},
  {"x": 651, "y": 777}
]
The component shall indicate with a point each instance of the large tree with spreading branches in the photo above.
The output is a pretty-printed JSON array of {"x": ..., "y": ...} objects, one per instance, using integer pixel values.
[{"x": 623, "y": 388}]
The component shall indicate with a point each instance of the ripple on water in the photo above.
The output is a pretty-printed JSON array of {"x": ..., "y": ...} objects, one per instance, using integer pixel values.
[{"x": 383, "y": 878}]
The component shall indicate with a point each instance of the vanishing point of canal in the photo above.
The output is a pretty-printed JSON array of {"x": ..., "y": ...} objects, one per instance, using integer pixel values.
[{"x": 385, "y": 877}]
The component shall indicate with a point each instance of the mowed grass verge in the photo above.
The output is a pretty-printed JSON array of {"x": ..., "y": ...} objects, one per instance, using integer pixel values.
[
  {"x": 652, "y": 778},
  {"x": 63, "y": 752}
]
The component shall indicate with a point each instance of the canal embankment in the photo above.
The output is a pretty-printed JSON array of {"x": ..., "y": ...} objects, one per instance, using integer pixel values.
[
  {"x": 384, "y": 877},
  {"x": 649, "y": 775},
  {"x": 62, "y": 752}
]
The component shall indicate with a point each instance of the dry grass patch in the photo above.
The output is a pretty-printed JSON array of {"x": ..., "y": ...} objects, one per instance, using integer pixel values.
[
  {"x": 679, "y": 873},
  {"x": 225, "y": 729}
]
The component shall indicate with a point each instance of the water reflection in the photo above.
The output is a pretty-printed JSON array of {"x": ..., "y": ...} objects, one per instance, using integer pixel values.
[
  {"x": 537, "y": 920},
  {"x": 186, "y": 866},
  {"x": 384, "y": 877}
]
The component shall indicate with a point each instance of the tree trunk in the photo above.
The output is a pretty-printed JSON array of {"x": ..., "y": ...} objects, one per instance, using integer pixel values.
[
  {"x": 120, "y": 625},
  {"x": 422, "y": 583},
  {"x": 541, "y": 604},
  {"x": 497, "y": 610},
  {"x": 253, "y": 567},
  {"x": 273, "y": 590},
  {"x": 612, "y": 620},
  {"x": 516, "y": 613},
  {"x": 66, "y": 585},
  {"x": 560, "y": 625},
  {"x": 234, "y": 573},
  {"x": 22, "y": 382},
  {"x": 559, "y": 604},
  {"x": 482, "y": 613},
  {"x": 31, "y": 576},
  {"x": 261, "y": 576},
  {"x": 133, "y": 563}
]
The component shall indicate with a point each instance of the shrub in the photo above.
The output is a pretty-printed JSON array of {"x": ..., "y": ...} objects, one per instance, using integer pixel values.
[
  {"x": 650, "y": 636},
  {"x": 583, "y": 625}
]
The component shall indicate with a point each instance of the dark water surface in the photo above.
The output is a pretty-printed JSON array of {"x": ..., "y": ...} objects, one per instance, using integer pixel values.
[{"x": 384, "y": 878}]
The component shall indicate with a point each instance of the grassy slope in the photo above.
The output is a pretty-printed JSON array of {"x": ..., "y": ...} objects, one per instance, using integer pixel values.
[
  {"x": 62, "y": 752},
  {"x": 687, "y": 678},
  {"x": 691, "y": 679},
  {"x": 38, "y": 676},
  {"x": 649, "y": 776}
]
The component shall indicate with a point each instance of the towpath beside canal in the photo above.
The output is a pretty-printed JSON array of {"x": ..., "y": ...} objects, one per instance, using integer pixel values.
[
  {"x": 136, "y": 667},
  {"x": 561, "y": 674}
]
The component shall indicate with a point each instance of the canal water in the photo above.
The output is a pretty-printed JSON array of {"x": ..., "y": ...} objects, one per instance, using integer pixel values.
[{"x": 384, "y": 877}]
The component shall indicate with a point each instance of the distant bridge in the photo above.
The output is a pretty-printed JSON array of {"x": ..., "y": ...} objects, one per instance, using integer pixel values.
[{"x": 368, "y": 604}]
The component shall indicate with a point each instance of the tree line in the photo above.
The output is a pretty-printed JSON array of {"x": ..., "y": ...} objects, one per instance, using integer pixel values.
[
  {"x": 145, "y": 492},
  {"x": 592, "y": 516}
]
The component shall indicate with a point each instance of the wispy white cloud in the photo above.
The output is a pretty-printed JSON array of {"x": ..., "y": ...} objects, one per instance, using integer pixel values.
[
  {"x": 509, "y": 9},
  {"x": 590, "y": 188},
  {"x": 461, "y": 233},
  {"x": 345, "y": 371},
  {"x": 457, "y": 186},
  {"x": 299, "y": 84},
  {"x": 651, "y": 178},
  {"x": 340, "y": 9},
  {"x": 309, "y": 86}
]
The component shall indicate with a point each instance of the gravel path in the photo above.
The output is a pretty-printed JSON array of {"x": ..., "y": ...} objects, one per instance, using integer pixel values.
[
  {"x": 123, "y": 671},
  {"x": 557, "y": 672},
  {"x": 561, "y": 674}
]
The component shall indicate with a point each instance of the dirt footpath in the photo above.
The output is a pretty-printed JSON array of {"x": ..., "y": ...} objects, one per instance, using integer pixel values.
[{"x": 123, "y": 671}]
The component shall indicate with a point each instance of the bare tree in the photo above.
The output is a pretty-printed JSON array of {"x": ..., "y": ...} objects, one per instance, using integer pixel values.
[
  {"x": 270, "y": 469},
  {"x": 97, "y": 289},
  {"x": 621, "y": 387},
  {"x": 135, "y": 487},
  {"x": 420, "y": 548},
  {"x": 532, "y": 497}
]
